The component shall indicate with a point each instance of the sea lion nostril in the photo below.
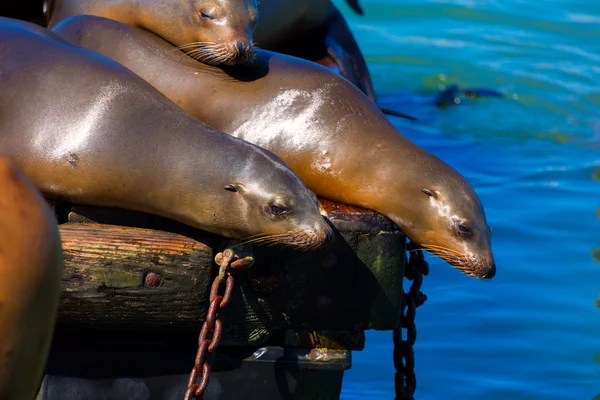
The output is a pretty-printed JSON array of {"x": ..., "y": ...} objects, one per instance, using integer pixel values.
[{"x": 491, "y": 271}]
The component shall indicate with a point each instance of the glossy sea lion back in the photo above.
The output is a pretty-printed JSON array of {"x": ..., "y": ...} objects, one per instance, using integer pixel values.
[{"x": 30, "y": 281}]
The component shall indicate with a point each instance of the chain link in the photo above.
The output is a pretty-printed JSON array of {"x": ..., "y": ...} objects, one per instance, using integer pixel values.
[
  {"x": 405, "y": 380},
  {"x": 213, "y": 325}
]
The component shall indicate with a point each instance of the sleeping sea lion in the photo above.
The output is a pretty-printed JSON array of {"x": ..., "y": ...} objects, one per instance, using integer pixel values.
[
  {"x": 212, "y": 31},
  {"x": 86, "y": 130}
]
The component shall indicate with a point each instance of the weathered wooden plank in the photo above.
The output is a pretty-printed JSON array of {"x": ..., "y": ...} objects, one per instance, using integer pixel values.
[
  {"x": 355, "y": 284},
  {"x": 118, "y": 277}
]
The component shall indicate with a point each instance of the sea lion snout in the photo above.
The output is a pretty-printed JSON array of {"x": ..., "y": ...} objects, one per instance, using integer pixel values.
[
  {"x": 484, "y": 268},
  {"x": 491, "y": 271},
  {"x": 314, "y": 238},
  {"x": 324, "y": 234},
  {"x": 242, "y": 52},
  {"x": 450, "y": 222},
  {"x": 226, "y": 31}
]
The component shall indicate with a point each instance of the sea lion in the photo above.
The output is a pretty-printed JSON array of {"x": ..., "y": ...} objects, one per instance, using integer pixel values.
[
  {"x": 31, "y": 267},
  {"x": 212, "y": 31},
  {"x": 326, "y": 130},
  {"x": 87, "y": 130}
]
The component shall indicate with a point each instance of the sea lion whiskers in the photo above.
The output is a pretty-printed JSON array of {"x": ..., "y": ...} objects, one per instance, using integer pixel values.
[
  {"x": 303, "y": 240},
  {"x": 190, "y": 45},
  {"x": 260, "y": 238},
  {"x": 206, "y": 57},
  {"x": 467, "y": 264},
  {"x": 270, "y": 239},
  {"x": 209, "y": 53},
  {"x": 441, "y": 248},
  {"x": 220, "y": 52}
]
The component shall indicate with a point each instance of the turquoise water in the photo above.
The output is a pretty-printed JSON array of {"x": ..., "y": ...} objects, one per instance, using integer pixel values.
[{"x": 533, "y": 332}]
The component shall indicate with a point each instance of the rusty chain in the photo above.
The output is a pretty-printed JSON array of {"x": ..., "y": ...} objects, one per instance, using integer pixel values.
[
  {"x": 227, "y": 260},
  {"x": 405, "y": 380}
]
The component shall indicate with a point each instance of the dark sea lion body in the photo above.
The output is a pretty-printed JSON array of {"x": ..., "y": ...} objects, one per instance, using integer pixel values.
[
  {"x": 31, "y": 267},
  {"x": 282, "y": 21},
  {"x": 314, "y": 30},
  {"x": 214, "y": 31},
  {"x": 326, "y": 130},
  {"x": 86, "y": 130}
]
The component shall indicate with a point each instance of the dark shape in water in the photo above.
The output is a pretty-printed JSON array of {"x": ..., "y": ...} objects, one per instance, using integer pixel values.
[
  {"x": 450, "y": 95},
  {"x": 596, "y": 254}
]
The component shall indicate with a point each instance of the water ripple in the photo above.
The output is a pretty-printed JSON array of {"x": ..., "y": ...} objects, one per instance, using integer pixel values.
[{"x": 534, "y": 158}]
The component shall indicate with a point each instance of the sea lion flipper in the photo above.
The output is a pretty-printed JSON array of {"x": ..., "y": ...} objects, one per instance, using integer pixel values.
[
  {"x": 343, "y": 49},
  {"x": 389, "y": 111}
]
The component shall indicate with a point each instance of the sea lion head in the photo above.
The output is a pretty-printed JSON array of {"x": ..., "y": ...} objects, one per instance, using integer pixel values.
[
  {"x": 225, "y": 32},
  {"x": 276, "y": 206},
  {"x": 450, "y": 222}
]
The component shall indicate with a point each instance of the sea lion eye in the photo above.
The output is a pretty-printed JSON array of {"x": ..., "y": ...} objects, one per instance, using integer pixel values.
[
  {"x": 230, "y": 188},
  {"x": 208, "y": 14},
  {"x": 278, "y": 209},
  {"x": 428, "y": 192},
  {"x": 464, "y": 231}
]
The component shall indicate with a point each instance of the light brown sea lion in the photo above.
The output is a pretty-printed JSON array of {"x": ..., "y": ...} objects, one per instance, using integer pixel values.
[
  {"x": 30, "y": 281},
  {"x": 212, "y": 31},
  {"x": 86, "y": 130},
  {"x": 328, "y": 131}
]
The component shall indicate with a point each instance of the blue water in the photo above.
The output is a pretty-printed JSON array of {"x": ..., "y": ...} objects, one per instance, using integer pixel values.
[{"x": 533, "y": 332}]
